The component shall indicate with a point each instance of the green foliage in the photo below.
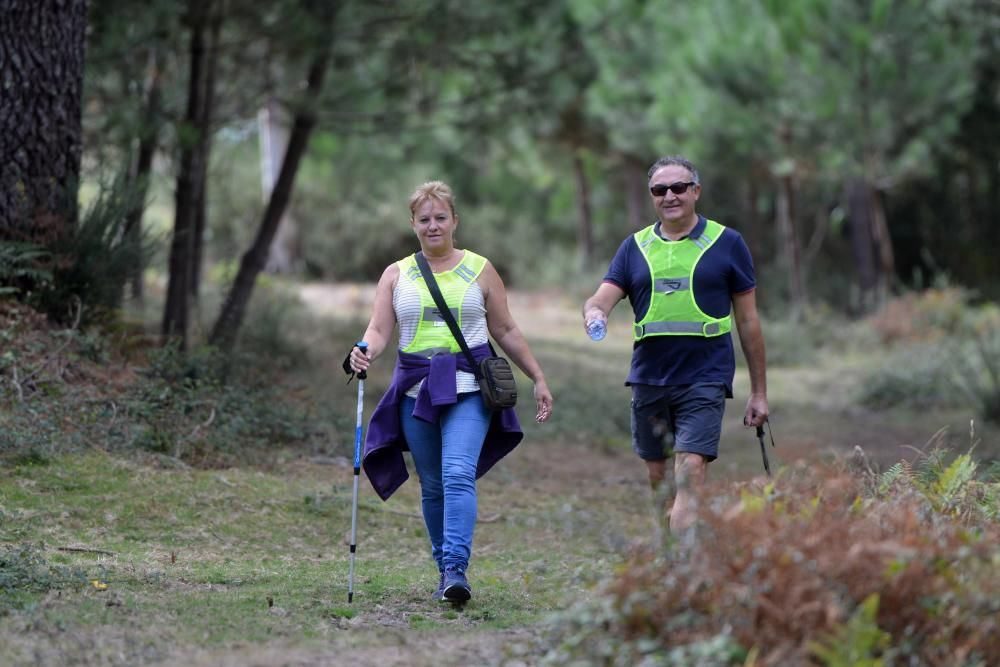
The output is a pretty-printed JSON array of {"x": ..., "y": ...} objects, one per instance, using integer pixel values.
[
  {"x": 93, "y": 264},
  {"x": 916, "y": 376},
  {"x": 946, "y": 354},
  {"x": 977, "y": 364},
  {"x": 22, "y": 262},
  {"x": 204, "y": 408},
  {"x": 857, "y": 643},
  {"x": 951, "y": 486}
]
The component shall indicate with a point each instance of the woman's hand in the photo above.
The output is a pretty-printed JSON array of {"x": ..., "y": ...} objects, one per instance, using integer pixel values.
[
  {"x": 543, "y": 400},
  {"x": 359, "y": 360}
]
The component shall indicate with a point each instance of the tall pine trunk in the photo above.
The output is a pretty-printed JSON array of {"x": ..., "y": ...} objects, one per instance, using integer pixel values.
[
  {"x": 791, "y": 248},
  {"x": 41, "y": 67},
  {"x": 585, "y": 218},
  {"x": 142, "y": 164},
  {"x": 205, "y": 121},
  {"x": 189, "y": 179},
  {"x": 859, "y": 205}
]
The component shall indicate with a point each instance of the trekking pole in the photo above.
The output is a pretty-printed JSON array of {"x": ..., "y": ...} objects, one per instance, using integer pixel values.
[
  {"x": 763, "y": 448},
  {"x": 361, "y": 345}
]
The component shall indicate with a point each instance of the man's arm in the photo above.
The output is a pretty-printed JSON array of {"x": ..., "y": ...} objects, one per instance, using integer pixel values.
[
  {"x": 600, "y": 305},
  {"x": 752, "y": 342}
]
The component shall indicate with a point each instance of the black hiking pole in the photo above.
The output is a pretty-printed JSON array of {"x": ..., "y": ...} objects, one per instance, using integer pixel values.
[
  {"x": 361, "y": 345},
  {"x": 763, "y": 448}
]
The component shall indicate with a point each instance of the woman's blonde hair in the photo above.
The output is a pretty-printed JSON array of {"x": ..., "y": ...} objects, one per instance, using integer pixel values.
[{"x": 432, "y": 190}]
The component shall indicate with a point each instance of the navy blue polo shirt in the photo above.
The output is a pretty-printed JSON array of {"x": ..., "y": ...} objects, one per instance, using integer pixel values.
[{"x": 725, "y": 269}]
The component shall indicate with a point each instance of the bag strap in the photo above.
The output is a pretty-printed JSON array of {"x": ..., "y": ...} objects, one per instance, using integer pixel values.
[{"x": 425, "y": 270}]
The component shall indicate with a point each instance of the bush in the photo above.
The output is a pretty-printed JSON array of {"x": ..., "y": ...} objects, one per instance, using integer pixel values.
[
  {"x": 960, "y": 367},
  {"x": 978, "y": 365},
  {"x": 91, "y": 267},
  {"x": 816, "y": 566},
  {"x": 917, "y": 376}
]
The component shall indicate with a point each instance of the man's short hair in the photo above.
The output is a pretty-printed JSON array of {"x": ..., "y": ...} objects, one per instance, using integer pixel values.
[{"x": 675, "y": 160}]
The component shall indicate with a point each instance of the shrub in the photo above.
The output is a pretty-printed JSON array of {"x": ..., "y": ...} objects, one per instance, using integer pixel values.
[
  {"x": 813, "y": 567},
  {"x": 91, "y": 266},
  {"x": 917, "y": 376}
]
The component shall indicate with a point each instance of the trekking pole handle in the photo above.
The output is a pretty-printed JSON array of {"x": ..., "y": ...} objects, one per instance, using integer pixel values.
[{"x": 363, "y": 346}]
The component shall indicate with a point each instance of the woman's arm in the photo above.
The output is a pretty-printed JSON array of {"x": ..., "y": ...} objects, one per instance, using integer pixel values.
[
  {"x": 508, "y": 336},
  {"x": 382, "y": 323}
]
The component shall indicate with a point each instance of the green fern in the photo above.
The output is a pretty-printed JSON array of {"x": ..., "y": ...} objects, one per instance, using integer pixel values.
[
  {"x": 887, "y": 479},
  {"x": 857, "y": 643},
  {"x": 97, "y": 259},
  {"x": 22, "y": 262},
  {"x": 951, "y": 485}
]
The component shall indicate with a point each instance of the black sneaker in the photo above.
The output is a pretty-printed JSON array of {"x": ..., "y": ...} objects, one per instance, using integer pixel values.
[
  {"x": 439, "y": 593},
  {"x": 456, "y": 586}
]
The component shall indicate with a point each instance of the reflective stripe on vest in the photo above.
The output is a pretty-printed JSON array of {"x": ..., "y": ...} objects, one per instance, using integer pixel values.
[
  {"x": 433, "y": 335},
  {"x": 672, "y": 309}
]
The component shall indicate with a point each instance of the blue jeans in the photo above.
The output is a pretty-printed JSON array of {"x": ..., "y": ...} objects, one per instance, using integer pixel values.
[{"x": 446, "y": 455}]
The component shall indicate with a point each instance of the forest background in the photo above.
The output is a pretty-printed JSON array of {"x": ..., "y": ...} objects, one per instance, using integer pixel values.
[{"x": 180, "y": 178}]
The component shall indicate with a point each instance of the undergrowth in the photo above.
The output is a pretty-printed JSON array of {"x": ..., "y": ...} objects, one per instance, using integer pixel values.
[
  {"x": 112, "y": 388},
  {"x": 25, "y": 573},
  {"x": 941, "y": 351},
  {"x": 818, "y": 567}
]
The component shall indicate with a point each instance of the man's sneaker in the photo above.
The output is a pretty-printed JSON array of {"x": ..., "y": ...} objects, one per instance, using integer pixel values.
[
  {"x": 439, "y": 593},
  {"x": 456, "y": 586}
]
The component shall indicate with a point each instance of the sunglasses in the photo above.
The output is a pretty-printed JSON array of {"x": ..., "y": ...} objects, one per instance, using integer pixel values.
[{"x": 677, "y": 188}]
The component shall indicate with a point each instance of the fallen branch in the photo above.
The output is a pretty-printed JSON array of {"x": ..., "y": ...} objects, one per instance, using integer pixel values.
[
  {"x": 87, "y": 550},
  {"x": 58, "y": 350}
]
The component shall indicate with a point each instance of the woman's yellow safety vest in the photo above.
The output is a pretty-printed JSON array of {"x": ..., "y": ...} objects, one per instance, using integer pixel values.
[
  {"x": 673, "y": 310},
  {"x": 433, "y": 335}
]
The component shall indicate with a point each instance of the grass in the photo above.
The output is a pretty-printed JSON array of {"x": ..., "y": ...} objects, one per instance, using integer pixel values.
[
  {"x": 213, "y": 559},
  {"x": 243, "y": 558}
]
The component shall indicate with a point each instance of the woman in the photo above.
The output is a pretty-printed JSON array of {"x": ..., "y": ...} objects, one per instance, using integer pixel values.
[{"x": 433, "y": 406}]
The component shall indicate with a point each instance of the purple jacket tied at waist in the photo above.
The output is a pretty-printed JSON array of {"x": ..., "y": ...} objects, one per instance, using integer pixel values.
[{"x": 385, "y": 443}]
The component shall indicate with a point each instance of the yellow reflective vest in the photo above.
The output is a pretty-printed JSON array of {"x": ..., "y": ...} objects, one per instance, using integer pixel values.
[
  {"x": 433, "y": 335},
  {"x": 673, "y": 310}
]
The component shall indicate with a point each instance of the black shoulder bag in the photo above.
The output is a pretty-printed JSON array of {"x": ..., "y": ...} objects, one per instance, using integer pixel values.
[{"x": 494, "y": 374}]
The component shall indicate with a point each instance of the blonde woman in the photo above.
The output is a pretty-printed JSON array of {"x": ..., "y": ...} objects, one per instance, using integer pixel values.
[{"x": 434, "y": 408}]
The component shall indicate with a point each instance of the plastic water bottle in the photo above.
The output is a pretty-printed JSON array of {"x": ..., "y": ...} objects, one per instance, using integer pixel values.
[{"x": 597, "y": 329}]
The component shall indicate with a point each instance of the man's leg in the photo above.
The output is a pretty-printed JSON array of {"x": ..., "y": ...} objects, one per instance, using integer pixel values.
[
  {"x": 661, "y": 493},
  {"x": 689, "y": 475},
  {"x": 651, "y": 439},
  {"x": 698, "y": 412}
]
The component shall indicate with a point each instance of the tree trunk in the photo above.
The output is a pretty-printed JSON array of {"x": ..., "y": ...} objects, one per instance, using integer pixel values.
[
  {"x": 272, "y": 128},
  {"x": 859, "y": 204},
  {"x": 175, "y": 312},
  {"x": 791, "y": 251},
  {"x": 41, "y": 70},
  {"x": 585, "y": 223},
  {"x": 234, "y": 308},
  {"x": 204, "y": 148},
  {"x": 883, "y": 247},
  {"x": 636, "y": 194},
  {"x": 142, "y": 165}
]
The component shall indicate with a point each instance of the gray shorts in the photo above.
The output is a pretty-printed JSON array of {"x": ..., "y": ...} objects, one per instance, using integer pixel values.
[{"x": 686, "y": 418}]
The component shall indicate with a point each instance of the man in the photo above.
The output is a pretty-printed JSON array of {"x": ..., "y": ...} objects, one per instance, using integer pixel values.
[{"x": 689, "y": 280}]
